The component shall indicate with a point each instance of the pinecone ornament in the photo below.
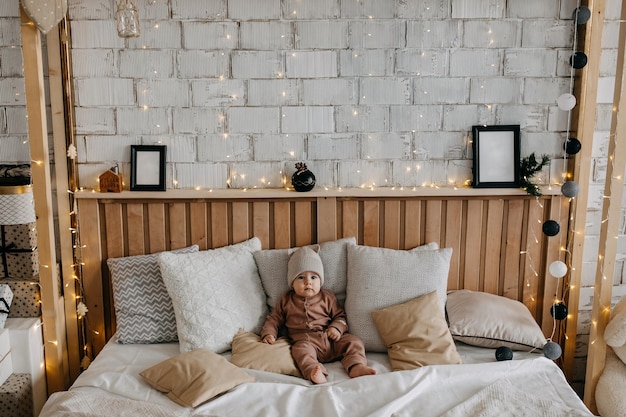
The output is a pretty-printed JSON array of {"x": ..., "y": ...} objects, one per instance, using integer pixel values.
[{"x": 302, "y": 179}]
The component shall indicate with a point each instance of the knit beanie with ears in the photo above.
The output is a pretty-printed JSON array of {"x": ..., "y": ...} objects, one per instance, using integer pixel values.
[{"x": 302, "y": 260}]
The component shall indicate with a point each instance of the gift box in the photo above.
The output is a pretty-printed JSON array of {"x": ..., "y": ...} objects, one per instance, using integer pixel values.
[
  {"x": 18, "y": 251},
  {"x": 16, "y": 398},
  {"x": 26, "y": 297},
  {"x": 6, "y": 297}
]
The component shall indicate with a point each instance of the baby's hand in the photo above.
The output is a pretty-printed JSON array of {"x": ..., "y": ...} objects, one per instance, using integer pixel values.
[
  {"x": 269, "y": 339},
  {"x": 333, "y": 334}
]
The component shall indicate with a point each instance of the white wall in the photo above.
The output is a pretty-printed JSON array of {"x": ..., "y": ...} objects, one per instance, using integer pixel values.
[{"x": 367, "y": 93}]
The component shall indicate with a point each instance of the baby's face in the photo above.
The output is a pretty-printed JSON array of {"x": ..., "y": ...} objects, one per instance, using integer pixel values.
[{"x": 307, "y": 284}]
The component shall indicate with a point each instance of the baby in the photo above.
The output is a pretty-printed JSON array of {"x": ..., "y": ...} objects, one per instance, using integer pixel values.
[{"x": 315, "y": 323}]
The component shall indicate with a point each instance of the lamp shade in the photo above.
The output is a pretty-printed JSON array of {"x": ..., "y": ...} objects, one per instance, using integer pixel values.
[{"x": 16, "y": 205}]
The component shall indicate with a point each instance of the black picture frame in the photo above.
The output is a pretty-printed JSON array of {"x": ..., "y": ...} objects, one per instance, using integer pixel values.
[
  {"x": 147, "y": 163},
  {"x": 496, "y": 152}
]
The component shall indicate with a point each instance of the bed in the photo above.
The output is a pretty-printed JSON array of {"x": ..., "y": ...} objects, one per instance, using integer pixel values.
[{"x": 480, "y": 284}]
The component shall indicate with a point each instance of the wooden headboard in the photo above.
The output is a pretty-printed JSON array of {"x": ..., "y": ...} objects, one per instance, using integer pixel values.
[{"x": 497, "y": 240}]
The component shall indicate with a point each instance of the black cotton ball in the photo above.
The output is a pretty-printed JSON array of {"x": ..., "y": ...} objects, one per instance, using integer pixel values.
[
  {"x": 504, "y": 353},
  {"x": 551, "y": 228},
  {"x": 572, "y": 146},
  {"x": 578, "y": 60},
  {"x": 558, "y": 311}
]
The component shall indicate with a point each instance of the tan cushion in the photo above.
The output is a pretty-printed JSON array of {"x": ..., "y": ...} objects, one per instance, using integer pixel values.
[
  {"x": 416, "y": 333},
  {"x": 195, "y": 377},
  {"x": 488, "y": 320},
  {"x": 249, "y": 352}
]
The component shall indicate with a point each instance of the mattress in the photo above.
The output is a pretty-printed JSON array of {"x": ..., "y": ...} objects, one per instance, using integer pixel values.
[{"x": 526, "y": 386}]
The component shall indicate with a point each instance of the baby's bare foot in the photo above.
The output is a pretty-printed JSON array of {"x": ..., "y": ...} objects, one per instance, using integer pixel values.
[
  {"x": 317, "y": 376},
  {"x": 360, "y": 370}
]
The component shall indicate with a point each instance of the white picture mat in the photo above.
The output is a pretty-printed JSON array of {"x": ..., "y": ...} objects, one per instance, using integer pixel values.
[
  {"x": 148, "y": 167},
  {"x": 496, "y": 155}
]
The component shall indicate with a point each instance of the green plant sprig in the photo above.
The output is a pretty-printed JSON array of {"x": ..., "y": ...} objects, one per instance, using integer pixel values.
[{"x": 529, "y": 166}]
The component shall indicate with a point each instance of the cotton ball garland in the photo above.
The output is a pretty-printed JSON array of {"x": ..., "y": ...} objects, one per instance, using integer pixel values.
[
  {"x": 558, "y": 269},
  {"x": 566, "y": 101},
  {"x": 558, "y": 311},
  {"x": 569, "y": 189},
  {"x": 572, "y": 146},
  {"x": 581, "y": 15},
  {"x": 552, "y": 350},
  {"x": 504, "y": 353},
  {"x": 551, "y": 228}
]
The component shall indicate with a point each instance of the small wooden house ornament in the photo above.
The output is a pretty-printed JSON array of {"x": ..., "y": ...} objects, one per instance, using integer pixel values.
[{"x": 111, "y": 181}]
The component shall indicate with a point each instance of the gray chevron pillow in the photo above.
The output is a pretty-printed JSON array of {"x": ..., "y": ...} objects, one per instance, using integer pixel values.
[{"x": 143, "y": 308}]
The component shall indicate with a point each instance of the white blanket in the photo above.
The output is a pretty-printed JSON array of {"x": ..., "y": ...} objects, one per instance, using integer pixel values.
[{"x": 528, "y": 387}]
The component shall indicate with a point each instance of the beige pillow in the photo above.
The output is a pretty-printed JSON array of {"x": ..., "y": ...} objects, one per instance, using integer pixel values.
[
  {"x": 381, "y": 277},
  {"x": 192, "y": 378},
  {"x": 249, "y": 352},
  {"x": 488, "y": 320},
  {"x": 416, "y": 333}
]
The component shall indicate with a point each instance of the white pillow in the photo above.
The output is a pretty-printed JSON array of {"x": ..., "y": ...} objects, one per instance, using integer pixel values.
[
  {"x": 380, "y": 277},
  {"x": 214, "y": 293},
  {"x": 272, "y": 265}
]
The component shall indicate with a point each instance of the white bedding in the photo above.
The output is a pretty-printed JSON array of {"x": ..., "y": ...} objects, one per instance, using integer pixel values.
[{"x": 530, "y": 385}]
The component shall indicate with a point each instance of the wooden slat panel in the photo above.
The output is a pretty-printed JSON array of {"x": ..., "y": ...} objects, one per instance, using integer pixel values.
[
  {"x": 454, "y": 220},
  {"x": 135, "y": 224},
  {"x": 432, "y": 226},
  {"x": 178, "y": 226},
  {"x": 412, "y": 224},
  {"x": 371, "y": 223},
  {"x": 241, "y": 225},
  {"x": 350, "y": 219},
  {"x": 472, "y": 227},
  {"x": 327, "y": 219},
  {"x": 533, "y": 249},
  {"x": 515, "y": 223},
  {"x": 219, "y": 224},
  {"x": 282, "y": 224},
  {"x": 157, "y": 240},
  {"x": 198, "y": 224},
  {"x": 261, "y": 223},
  {"x": 92, "y": 271},
  {"x": 115, "y": 230},
  {"x": 391, "y": 238},
  {"x": 473, "y": 245},
  {"x": 493, "y": 246},
  {"x": 303, "y": 227}
]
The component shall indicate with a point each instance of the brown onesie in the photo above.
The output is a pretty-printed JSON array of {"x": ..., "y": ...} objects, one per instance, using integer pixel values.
[{"x": 306, "y": 320}]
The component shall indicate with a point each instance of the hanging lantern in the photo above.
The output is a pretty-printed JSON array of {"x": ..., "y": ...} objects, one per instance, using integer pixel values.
[{"x": 127, "y": 17}]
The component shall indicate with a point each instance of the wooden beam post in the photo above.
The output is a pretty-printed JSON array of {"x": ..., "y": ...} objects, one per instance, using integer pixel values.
[
  {"x": 586, "y": 91},
  {"x": 609, "y": 229},
  {"x": 52, "y": 312},
  {"x": 56, "y": 84}
]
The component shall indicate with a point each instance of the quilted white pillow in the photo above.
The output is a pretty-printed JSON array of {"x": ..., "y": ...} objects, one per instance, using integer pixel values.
[
  {"x": 379, "y": 278},
  {"x": 214, "y": 293}
]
